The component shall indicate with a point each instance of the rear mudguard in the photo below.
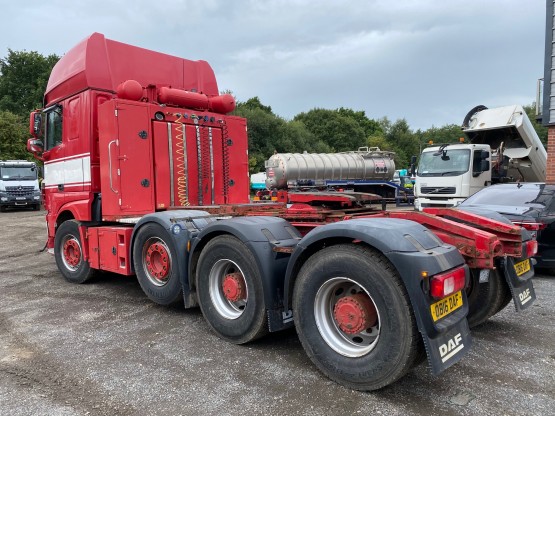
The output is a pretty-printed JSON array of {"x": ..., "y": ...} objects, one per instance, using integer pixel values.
[
  {"x": 413, "y": 250},
  {"x": 271, "y": 241},
  {"x": 521, "y": 286}
]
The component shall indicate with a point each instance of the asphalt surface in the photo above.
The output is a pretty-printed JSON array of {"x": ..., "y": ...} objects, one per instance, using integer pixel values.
[{"x": 104, "y": 349}]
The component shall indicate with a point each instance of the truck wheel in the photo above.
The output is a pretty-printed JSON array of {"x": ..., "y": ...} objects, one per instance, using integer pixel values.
[
  {"x": 155, "y": 264},
  {"x": 68, "y": 253},
  {"x": 230, "y": 290},
  {"x": 354, "y": 319},
  {"x": 486, "y": 299}
]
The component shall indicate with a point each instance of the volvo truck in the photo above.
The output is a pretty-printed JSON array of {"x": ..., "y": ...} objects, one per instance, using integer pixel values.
[{"x": 500, "y": 146}]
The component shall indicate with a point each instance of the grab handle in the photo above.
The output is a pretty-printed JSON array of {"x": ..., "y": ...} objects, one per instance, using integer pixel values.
[{"x": 110, "y": 164}]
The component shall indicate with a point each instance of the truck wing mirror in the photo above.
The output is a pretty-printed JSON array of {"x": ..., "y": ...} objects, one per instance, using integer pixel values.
[
  {"x": 36, "y": 147},
  {"x": 412, "y": 165},
  {"x": 35, "y": 124}
]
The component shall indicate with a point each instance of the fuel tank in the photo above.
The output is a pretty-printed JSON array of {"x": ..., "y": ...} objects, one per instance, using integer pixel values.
[{"x": 293, "y": 169}]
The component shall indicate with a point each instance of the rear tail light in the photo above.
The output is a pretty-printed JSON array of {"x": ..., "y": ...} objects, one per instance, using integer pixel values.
[
  {"x": 442, "y": 285},
  {"x": 531, "y": 226},
  {"x": 531, "y": 248}
]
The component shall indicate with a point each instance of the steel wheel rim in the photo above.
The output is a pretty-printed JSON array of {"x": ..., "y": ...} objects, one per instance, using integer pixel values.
[
  {"x": 157, "y": 261},
  {"x": 348, "y": 345},
  {"x": 71, "y": 253},
  {"x": 226, "y": 308}
]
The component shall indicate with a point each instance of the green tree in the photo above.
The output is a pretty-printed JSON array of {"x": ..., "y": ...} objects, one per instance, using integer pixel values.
[
  {"x": 379, "y": 140},
  {"x": 13, "y": 137},
  {"x": 369, "y": 126},
  {"x": 269, "y": 133},
  {"x": 339, "y": 130},
  {"x": 440, "y": 135},
  {"x": 404, "y": 141},
  {"x": 254, "y": 104},
  {"x": 23, "y": 79}
]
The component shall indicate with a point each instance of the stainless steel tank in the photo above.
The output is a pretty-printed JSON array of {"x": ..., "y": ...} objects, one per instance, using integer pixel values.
[{"x": 290, "y": 169}]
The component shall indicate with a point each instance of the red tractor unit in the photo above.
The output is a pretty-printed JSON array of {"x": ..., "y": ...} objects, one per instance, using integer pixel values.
[{"x": 146, "y": 173}]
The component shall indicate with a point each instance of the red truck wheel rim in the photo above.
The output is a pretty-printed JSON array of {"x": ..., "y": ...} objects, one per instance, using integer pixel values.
[
  {"x": 355, "y": 313},
  {"x": 228, "y": 289},
  {"x": 234, "y": 287},
  {"x": 157, "y": 261},
  {"x": 71, "y": 252},
  {"x": 346, "y": 316}
]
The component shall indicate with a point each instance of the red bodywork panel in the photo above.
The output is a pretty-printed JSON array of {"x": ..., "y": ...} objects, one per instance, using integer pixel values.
[
  {"x": 109, "y": 248},
  {"x": 102, "y": 64},
  {"x": 182, "y": 159}
]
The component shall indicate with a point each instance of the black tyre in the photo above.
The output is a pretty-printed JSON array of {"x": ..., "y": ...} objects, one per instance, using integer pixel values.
[
  {"x": 155, "y": 263},
  {"x": 68, "y": 252},
  {"x": 487, "y": 298},
  {"x": 230, "y": 290},
  {"x": 354, "y": 319}
]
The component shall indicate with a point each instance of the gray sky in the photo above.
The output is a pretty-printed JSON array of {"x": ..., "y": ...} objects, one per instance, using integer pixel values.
[{"x": 428, "y": 61}]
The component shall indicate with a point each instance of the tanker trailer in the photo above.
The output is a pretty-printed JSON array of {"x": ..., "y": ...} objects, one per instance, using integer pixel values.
[{"x": 367, "y": 170}]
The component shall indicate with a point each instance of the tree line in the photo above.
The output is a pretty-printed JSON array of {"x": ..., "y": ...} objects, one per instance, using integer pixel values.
[{"x": 24, "y": 75}]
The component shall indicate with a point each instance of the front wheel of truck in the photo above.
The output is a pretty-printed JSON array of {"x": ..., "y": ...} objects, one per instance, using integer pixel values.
[{"x": 68, "y": 252}]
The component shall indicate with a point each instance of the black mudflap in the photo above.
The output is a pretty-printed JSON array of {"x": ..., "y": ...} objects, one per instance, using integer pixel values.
[
  {"x": 521, "y": 286},
  {"x": 447, "y": 348}
]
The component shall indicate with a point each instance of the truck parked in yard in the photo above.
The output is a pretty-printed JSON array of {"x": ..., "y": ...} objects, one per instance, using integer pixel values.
[
  {"x": 19, "y": 185},
  {"x": 146, "y": 173},
  {"x": 503, "y": 147}
]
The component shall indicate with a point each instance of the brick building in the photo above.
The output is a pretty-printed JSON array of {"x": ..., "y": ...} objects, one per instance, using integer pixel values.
[{"x": 548, "y": 104}]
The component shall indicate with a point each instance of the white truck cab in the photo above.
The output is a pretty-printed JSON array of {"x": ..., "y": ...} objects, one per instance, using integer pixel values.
[
  {"x": 19, "y": 184},
  {"x": 448, "y": 174},
  {"x": 502, "y": 147}
]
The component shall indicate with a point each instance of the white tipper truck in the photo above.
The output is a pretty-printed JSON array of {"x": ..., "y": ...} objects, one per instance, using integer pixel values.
[{"x": 502, "y": 147}]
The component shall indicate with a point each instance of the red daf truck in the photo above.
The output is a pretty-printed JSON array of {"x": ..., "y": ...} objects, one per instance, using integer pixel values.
[{"x": 146, "y": 173}]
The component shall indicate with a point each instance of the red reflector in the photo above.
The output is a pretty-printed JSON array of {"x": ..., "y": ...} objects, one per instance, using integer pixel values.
[
  {"x": 531, "y": 248},
  {"x": 442, "y": 285}
]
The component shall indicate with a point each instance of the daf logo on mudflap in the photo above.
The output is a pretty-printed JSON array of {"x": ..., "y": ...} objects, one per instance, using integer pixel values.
[
  {"x": 451, "y": 348},
  {"x": 525, "y": 296}
]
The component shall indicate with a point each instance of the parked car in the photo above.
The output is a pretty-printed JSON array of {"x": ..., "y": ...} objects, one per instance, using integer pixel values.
[{"x": 531, "y": 205}]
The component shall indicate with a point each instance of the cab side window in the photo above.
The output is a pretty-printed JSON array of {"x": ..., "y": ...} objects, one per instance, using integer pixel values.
[{"x": 53, "y": 127}]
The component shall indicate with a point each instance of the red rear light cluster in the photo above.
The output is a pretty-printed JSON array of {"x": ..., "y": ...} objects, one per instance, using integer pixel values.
[
  {"x": 442, "y": 285},
  {"x": 531, "y": 226},
  {"x": 531, "y": 248}
]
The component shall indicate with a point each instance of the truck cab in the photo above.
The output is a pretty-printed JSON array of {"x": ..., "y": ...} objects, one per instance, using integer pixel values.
[
  {"x": 448, "y": 174},
  {"x": 502, "y": 146},
  {"x": 19, "y": 184}
]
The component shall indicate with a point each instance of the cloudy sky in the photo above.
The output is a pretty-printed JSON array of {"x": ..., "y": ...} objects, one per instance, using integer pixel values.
[{"x": 428, "y": 61}]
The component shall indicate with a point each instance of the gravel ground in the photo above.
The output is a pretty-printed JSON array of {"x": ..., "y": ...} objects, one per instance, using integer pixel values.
[{"x": 104, "y": 349}]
